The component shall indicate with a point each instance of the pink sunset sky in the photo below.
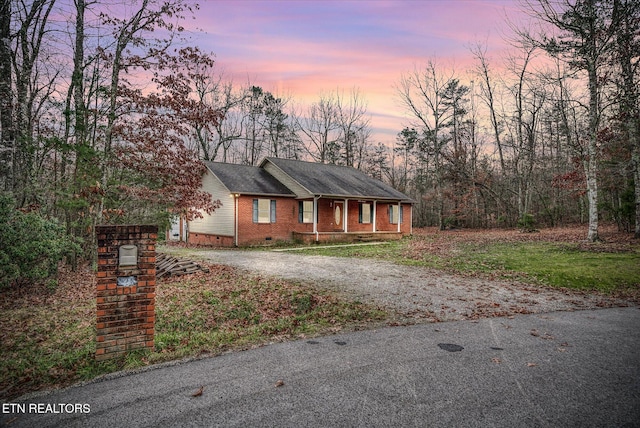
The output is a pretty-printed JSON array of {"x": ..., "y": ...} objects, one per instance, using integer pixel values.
[{"x": 306, "y": 48}]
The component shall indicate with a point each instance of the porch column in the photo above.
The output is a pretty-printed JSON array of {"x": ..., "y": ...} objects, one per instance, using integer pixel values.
[
  {"x": 236, "y": 196},
  {"x": 374, "y": 215},
  {"x": 399, "y": 208},
  {"x": 315, "y": 217},
  {"x": 345, "y": 214}
]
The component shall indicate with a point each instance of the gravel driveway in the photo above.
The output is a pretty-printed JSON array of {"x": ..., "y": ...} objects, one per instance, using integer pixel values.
[{"x": 412, "y": 292}]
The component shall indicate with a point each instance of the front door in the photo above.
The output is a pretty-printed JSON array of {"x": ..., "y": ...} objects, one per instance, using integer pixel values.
[{"x": 338, "y": 214}]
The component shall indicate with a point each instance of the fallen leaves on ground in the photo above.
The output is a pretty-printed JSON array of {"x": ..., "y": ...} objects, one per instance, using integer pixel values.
[
  {"x": 41, "y": 324},
  {"x": 545, "y": 336},
  {"x": 48, "y": 334},
  {"x": 199, "y": 392},
  {"x": 444, "y": 243}
]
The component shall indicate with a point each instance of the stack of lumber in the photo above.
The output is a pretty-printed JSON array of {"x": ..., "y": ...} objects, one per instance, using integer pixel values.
[{"x": 167, "y": 265}]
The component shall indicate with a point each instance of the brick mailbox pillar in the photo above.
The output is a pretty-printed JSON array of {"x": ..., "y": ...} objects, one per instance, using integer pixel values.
[{"x": 126, "y": 289}]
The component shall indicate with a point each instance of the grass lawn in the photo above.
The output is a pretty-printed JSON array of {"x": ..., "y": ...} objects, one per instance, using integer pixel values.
[
  {"x": 559, "y": 265},
  {"x": 48, "y": 336},
  {"x": 553, "y": 257}
]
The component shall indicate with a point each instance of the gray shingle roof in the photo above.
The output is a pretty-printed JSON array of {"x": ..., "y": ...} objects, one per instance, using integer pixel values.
[
  {"x": 247, "y": 179},
  {"x": 335, "y": 180}
]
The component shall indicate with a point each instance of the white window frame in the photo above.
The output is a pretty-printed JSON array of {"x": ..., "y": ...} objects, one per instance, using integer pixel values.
[
  {"x": 307, "y": 211},
  {"x": 265, "y": 211},
  {"x": 365, "y": 209},
  {"x": 394, "y": 214}
]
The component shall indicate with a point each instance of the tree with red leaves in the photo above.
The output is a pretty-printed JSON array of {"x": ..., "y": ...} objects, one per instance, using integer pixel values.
[{"x": 155, "y": 166}]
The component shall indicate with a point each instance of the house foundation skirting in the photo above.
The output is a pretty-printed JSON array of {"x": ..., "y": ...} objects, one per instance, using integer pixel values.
[
  {"x": 303, "y": 237},
  {"x": 310, "y": 237},
  {"x": 211, "y": 240}
]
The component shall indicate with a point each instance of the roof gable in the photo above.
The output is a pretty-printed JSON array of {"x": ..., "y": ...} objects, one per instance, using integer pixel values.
[
  {"x": 335, "y": 180},
  {"x": 247, "y": 179}
]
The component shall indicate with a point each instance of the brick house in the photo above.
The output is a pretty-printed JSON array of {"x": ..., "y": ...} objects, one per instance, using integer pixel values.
[{"x": 290, "y": 200}]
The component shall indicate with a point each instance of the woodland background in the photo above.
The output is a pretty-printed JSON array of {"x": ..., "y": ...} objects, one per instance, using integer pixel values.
[{"x": 107, "y": 119}]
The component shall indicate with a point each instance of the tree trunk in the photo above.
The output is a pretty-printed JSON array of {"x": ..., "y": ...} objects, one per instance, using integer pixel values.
[
  {"x": 6, "y": 98},
  {"x": 78, "y": 74},
  {"x": 591, "y": 163},
  {"x": 627, "y": 18},
  {"x": 84, "y": 160},
  {"x": 636, "y": 182}
]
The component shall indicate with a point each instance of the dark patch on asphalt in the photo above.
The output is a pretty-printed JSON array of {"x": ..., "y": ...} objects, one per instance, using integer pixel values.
[
  {"x": 312, "y": 342},
  {"x": 495, "y": 348},
  {"x": 450, "y": 347},
  {"x": 340, "y": 343}
]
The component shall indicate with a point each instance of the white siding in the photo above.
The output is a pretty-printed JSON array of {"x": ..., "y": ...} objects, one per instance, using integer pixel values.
[
  {"x": 283, "y": 178},
  {"x": 221, "y": 222}
]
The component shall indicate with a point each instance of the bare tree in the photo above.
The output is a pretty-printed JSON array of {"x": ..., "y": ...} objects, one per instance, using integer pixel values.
[
  {"x": 422, "y": 92},
  {"x": 320, "y": 129},
  {"x": 487, "y": 94},
  {"x": 528, "y": 100},
  {"x": 584, "y": 39},
  {"x": 33, "y": 84},
  {"x": 217, "y": 94},
  {"x": 252, "y": 111},
  {"x": 351, "y": 116},
  {"x": 229, "y": 127}
]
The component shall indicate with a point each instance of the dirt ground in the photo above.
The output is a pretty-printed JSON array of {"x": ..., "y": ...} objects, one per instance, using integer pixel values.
[{"x": 417, "y": 293}]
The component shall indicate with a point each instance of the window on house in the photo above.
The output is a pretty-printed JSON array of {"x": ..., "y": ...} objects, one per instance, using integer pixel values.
[
  {"x": 364, "y": 213},
  {"x": 264, "y": 211},
  {"x": 395, "y": 214},
  {"x": 305, "y": 212}
]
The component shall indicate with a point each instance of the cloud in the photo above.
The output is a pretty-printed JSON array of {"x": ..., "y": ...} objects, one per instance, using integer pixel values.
[{"x": 306, "y": 47}]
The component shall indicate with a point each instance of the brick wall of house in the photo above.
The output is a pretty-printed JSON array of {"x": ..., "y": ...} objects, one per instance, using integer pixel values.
[
  {"x": 211, "y": 240},
  {"x": 326, "y": 217},
  {"x": 382, "y": 218},
  {"x": 250, "y": 233},
  {"x": 287, "y": 214},
  {"x": 354, "y": 224},
  {"x": 405, "y": 227},
  {"x": 125, "y": 314}
]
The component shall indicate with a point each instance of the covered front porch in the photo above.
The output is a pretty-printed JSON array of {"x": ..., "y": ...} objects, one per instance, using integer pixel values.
[{"x": 331, "y": 219}]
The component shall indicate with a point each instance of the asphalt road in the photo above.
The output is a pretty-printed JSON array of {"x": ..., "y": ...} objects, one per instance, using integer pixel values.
[{"x": 559, "y": 369}]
